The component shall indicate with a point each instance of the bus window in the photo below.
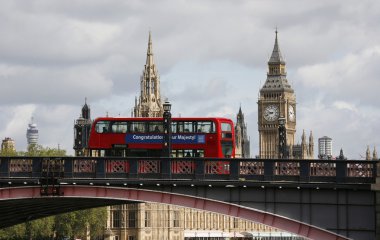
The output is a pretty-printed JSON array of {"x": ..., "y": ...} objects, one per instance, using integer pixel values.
[
  {"x": 155, "y": 127},
  {"x": 119, "y": 127},
  {"x": 185, "y": 127},
  {"x": 174, "y": 127},
  {"x": 102, "y": 153},
  {"x": 226, "y": 135},
  {"x": 205, "y": 127},
  {"x": 174, "y": 153},
  {"x": 199, "y": 153},
  {"x": 179, "y": 153},
  {"x": 102, "y": 126},
  {"x": 227, "y": 148},
  {"x": 226, "y": 130},
  {"x": 226, "y": 127},
  {"x": 188, "y": 153},
  {"x": 137, "y": 127}
]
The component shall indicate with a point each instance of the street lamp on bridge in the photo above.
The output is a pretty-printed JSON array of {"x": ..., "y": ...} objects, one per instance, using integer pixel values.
[
  {"x": 167, "y": 143},
  {"x": 282, "y": 145}
]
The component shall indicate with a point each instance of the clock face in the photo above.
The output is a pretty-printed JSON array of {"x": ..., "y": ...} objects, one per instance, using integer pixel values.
[
  {"x": 271, "y": 113},
  {"x": 292, "y": 113}
]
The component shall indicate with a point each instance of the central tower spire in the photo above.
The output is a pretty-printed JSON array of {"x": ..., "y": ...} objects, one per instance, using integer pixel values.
[
  {"x": 149, "y": 54},
  {"x": 149, "y": 103}
]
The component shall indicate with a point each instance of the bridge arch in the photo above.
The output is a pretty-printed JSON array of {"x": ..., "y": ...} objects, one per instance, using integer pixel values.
[{"x": 118, "y": 195}]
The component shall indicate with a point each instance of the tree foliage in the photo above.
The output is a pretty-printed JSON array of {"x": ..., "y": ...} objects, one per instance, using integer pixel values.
[
  {"x": 13, "y": 233},
  {"x": 80, "y": 223},
  {"x": 40, "y": 151},
  {"x": 73, "y": 224}
]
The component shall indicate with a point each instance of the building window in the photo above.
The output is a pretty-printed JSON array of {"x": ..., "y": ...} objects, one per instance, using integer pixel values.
[
  {"x": 116, "y": 214},
  {"x": 147, "y": 219},
  {"x": 131, "y": 238},
  {"x": 132, "y": 218},
  {"x": 236, "y": 223},
  {"x": 176, "y": 217}
]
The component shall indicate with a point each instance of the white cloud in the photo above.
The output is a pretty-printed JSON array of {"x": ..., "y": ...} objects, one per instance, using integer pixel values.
[{"x": 341, "y": 105}]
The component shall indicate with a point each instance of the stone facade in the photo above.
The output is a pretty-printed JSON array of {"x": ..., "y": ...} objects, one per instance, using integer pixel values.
[
  {"x": 8, "y": 145},
  {"x": 277, "y": 101},
  {"x": 368, "y": 154},
  {"x": 305, "y": 150},
  {"x": 151, "y": 221},
  {"x": 82, "y": 128},
  {"x": 242, "y": 142}
]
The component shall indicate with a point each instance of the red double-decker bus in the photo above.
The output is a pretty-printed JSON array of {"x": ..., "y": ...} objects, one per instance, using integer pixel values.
[{"x": 143, "y": 137}]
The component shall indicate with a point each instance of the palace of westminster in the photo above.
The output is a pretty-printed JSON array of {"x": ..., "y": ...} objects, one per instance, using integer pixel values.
[{"x": 149, "y": 221}]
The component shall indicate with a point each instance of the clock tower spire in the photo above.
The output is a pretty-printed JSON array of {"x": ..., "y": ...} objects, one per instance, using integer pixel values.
[{"x": 277, "y": 99}]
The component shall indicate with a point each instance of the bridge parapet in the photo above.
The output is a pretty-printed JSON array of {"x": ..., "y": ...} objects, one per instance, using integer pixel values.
[
  {"x": 304, "y": 190},
  {"x": 348, "y": 171}
]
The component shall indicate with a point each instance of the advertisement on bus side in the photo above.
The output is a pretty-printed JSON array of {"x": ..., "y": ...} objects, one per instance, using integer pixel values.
[{"x": 158, "y": 138}]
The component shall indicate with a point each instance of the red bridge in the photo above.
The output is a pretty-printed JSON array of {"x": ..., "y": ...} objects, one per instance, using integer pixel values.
[{"x": 312, "y": 198}]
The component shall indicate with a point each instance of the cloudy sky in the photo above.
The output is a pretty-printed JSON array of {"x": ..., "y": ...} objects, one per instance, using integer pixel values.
[{"x": 211, "y": 55}]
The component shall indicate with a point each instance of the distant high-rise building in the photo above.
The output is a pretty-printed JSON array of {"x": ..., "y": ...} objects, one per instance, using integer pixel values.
[
  {"x": 325, "y": 148},
  {"x": 82, "y": 128},
  {"x": 8, "y": 145},
  {"x": 149, "y": 103},
  {"x": 32, "y": 133},
  {"x": 242, "y": 149}
]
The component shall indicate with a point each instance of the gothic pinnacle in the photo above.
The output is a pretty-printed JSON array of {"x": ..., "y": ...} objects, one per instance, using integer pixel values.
[
  {"x": 149, "y": 54},
  {"x": 276, "y": 56}
]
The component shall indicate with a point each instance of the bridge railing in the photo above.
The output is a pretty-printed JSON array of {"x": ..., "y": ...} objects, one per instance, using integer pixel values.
[{"x": 355, "y": 171}]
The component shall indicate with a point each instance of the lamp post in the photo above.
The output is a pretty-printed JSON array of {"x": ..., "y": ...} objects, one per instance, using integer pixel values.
[
  {"x": 282, "y": 147},
  {"x": 167, "y": 143}
]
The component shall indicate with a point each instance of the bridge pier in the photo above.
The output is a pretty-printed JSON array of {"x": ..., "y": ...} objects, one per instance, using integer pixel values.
[{"x": 376, "y": 187}]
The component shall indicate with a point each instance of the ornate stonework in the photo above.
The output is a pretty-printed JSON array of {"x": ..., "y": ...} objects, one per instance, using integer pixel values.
[
  {"x": 159, "y": 221},
  {"x": 242, "y": 147},
  {"x": 149, "y": 103},
  {"x": 82, "y": 128}
]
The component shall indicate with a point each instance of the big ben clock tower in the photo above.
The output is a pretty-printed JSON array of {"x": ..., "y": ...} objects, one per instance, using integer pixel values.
[{"x": 277, "y": 100}]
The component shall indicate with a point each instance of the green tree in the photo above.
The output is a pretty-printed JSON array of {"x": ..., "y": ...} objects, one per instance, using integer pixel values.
[
  {"x": 72, "y": 224},
  {"x": 63, "y": 224},
  {"x": 98, "y": 221},
  {"x": 40, "y": 151},
  {"x": 42, "y": 228},
  {"x": 8, "y": 152},
  {"x": 76, "y": 224},
  {"x": 14, "y": 232}
]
